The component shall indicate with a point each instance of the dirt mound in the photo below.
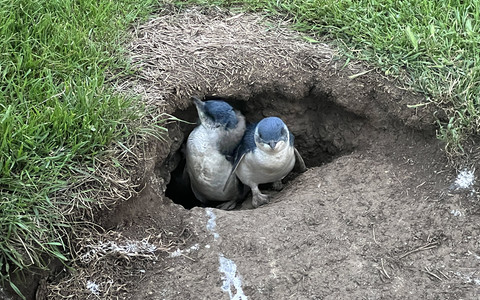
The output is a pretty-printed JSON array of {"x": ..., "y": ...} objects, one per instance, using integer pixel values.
[{"x": 374, "y": 216}]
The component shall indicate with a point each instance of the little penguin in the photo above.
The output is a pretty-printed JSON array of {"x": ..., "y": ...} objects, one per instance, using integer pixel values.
[
  {"x": 209, "y": 153},
  {"x": 265, "y": 154}
]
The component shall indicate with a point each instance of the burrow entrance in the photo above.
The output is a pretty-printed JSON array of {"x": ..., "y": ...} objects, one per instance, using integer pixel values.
[{"x": 323, "y": 131}]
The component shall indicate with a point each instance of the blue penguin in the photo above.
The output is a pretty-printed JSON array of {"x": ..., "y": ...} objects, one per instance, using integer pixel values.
[
  {"x": 265, "y": 154},
  {"x": 209, "y": 153}
]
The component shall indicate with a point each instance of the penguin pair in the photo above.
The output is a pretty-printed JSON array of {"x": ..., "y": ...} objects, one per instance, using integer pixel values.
[{"x": 224, "y": 155}]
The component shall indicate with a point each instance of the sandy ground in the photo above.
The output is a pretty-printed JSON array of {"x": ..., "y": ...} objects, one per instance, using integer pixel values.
[{"x": 366, "y": 226}]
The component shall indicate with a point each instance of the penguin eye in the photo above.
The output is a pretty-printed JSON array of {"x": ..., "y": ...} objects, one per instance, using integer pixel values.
[{"x": 283, "y": 132}]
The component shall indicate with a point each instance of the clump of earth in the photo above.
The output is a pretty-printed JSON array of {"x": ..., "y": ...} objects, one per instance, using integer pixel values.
[{"x": 380, "y": 213}]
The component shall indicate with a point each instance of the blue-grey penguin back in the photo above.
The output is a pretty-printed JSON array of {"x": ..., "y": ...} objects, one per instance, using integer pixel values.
[
  {"x": 209, "y": 151},
  {"x": 247, "y": 144}
]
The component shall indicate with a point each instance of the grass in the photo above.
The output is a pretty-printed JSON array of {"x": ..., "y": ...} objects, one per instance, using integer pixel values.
[
  {"x": 56, "y": 114},
  {"x": 432, "y": 46}
]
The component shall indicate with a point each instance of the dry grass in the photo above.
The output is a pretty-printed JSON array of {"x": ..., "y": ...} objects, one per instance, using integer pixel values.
[
  {"x": 109, "y": 263},
  {"x": 214, "y": 52}
]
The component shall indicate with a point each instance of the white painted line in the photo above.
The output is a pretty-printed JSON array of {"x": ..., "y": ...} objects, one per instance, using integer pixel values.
[
  {"x": 211, "y": 224},
  {"x": 230, "y": 278}
]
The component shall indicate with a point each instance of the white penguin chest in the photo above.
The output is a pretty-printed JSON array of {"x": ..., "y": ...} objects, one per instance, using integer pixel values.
[
  {"x": 263, "y": 167},
  {"x": 203, "y": 157}
]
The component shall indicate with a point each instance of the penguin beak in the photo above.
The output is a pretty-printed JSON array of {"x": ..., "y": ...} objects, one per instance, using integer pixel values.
[
  {"x": 272, "y": 144},
  {"x": 198, "y": 103}
]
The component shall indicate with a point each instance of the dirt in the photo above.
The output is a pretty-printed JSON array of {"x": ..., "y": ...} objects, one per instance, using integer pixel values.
[{"x": 377, "y": 214}]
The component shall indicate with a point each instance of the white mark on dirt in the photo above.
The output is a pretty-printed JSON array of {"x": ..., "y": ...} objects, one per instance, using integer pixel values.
[
  {"x": 93, "y": 287},
  {"x": 274, "y": 268},
  {"x": 176, "y": 253},
  {"x": 139, "y": 246},
  {"x": 468, "y": 278},
  {"x": 230, "y": 279},
  {"x": 211, "y": 224},
  {"x": 129, "y": 248},
  {"x": 464, "y": 181},
  {"x": 179, "y": 252},
  {"x": 456, "y": 213},
  {"x": 227, "y": 266}
]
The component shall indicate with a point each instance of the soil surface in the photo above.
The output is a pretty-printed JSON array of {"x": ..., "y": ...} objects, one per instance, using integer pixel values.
[{"x": 379, "y": 214}]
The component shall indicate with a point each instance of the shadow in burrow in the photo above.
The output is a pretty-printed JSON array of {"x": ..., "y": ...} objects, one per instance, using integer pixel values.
[{"x": 323, "y": 132}]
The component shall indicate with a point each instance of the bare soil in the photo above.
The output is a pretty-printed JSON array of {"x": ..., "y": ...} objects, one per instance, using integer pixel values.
[{"x": 374, "y": 217}]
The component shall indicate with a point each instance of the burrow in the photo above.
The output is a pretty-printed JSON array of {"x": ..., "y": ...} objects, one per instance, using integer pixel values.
[
  {"x": 323, "y": 130},
  {"x": 331, "y": 106}
]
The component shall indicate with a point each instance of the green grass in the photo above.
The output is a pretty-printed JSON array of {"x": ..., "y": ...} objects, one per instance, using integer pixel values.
[
  {"x": 56, "y": 113},
  {"x": 432, "y": 46}
]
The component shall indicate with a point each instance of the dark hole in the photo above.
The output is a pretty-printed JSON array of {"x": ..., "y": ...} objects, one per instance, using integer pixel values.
[
  {"x": 322, "y": 130},
  {"x": 179, "y": 191}
]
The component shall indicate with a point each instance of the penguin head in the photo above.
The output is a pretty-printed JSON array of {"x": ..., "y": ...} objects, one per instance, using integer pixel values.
[
  {"x": 216, "y": 114},
  {"x": 271, "y": 134}
]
